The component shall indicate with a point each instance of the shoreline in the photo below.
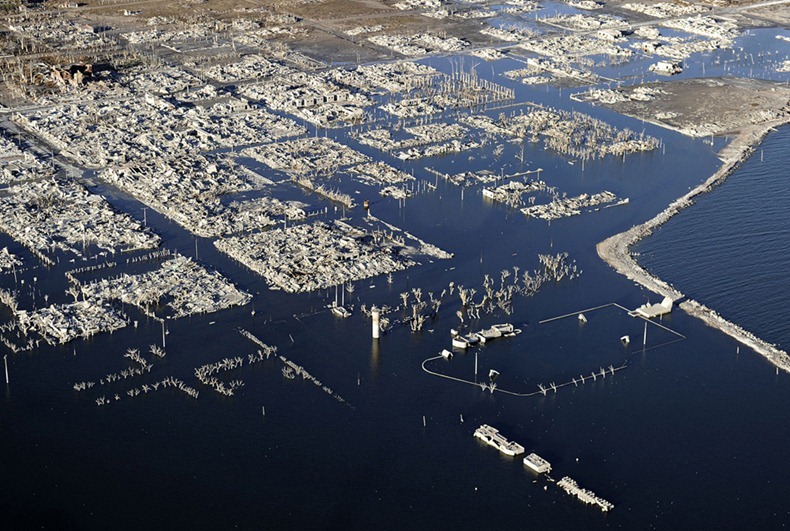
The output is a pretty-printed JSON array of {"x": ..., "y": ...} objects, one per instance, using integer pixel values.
[{"x": 616, "y": 250}]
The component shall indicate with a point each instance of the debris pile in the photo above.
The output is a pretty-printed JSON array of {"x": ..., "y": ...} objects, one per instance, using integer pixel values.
[
  {"x": 570, "y": 206},
  {"x": 183, "y": 286},
  {"x": 320, "y": 255},
  {"x": 60, "y": 214}
]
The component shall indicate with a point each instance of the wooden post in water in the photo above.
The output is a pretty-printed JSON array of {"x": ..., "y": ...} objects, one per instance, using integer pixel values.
[{"x": 5, "y": 362}]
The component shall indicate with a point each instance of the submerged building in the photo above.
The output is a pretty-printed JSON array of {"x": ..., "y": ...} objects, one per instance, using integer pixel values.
[{"x": 649, "y": 311}]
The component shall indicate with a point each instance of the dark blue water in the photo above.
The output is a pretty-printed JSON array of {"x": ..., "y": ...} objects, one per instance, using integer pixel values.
[{"x": 730, "y": 250}]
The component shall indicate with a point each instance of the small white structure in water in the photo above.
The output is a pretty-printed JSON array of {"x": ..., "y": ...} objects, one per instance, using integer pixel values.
[
  {"x": 666, "y": 68},
  {"x": 625, "y": 339},
  {"x": 653, "y": 310},
  {"x": 491, "y": 436},
  {"x": 537, "y": 463}
]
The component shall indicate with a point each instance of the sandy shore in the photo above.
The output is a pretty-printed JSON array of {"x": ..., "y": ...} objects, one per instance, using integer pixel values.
[{"x": 615, "y": 250}]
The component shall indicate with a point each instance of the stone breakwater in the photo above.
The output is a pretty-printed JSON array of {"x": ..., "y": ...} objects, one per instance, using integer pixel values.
[
  {"x": 773, "y": 354},
  {"x": 616, "y": 250}
]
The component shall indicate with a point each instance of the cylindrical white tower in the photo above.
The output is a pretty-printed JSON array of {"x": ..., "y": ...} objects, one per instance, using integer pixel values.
[{"x": 376, "y": 314}]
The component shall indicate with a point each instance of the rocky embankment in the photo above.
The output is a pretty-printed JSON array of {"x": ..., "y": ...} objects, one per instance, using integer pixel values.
[{"x": 615, "y": 250}]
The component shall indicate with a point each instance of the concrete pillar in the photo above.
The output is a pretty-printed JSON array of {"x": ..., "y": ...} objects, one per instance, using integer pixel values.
[{"x": 376, "y": 314}]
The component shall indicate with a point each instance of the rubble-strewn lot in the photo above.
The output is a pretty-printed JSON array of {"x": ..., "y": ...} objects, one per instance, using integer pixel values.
[
  {"x": 419, "y": 44},
  {"x": 571, "y": 206},
  {"x": 382, "y": 78},
  {"x": 60, "y": 323},
  {"x": 306, "y": 156},
  {"x": 380, "y": 173},
  {"x": 187, "y": 190},
  {"x": 179, "y": 287},
  {"x": 310, "y": 96},
  {"x": 319, "y": 255},
  {"x": 60, "y": 33},
  {"x": 571, "y": 133},
  {"x": 179, "y": 284},
  {"x": 665, "y": 9},
  {"x": 418, "y": 135},
  {"x": 48, "y": 215},
  {"x": 18, "y": 165},
  {"x": 99, "y": 134}
]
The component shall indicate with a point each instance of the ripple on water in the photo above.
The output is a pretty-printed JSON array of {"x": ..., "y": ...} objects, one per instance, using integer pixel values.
[{"x": 730, "y": 250}]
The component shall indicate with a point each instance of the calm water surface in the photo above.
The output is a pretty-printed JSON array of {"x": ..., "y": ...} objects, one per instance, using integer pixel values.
[{"x": 730, "y": 251}]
